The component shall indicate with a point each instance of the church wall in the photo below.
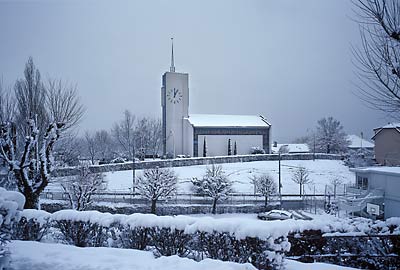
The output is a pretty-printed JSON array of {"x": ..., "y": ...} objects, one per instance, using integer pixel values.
[
  {"x": 217, "y": 145},
  {"x": 242, "y": 133},
  {"x": 188, "y": 137}
]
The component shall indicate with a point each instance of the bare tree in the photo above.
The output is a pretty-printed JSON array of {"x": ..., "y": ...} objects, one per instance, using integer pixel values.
[
  {"x": 335, "y": 182},
  {"x": 330, "y": 136},
  {"x": 155, "y": 134},
  {"x": 301, "y": 177},
  {"x": 7, "y": 104},
  {"x": 123, "y": 133},
  {"x": 214, "y": 184},
  {"x": 157, "y": 183},
  {"x": 265, "y": 185},
  {"x": 377, "y": 60},
  {"x": 103, "y": 144},
  {"x": 80, "y": 188},
  {"x": 30, "y": 97},
  {"x": 32, "y": 165},
  {"x": 91, "y": 148},
  {"x": 69, "y": 149},
  {"x": 63, "y": 103}
]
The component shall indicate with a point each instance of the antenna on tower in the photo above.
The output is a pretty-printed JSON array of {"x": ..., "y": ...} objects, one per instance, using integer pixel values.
[{"x": 172, "y": 67}]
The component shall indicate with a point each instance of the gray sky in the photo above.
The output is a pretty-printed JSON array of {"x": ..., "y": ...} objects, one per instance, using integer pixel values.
[{"x": 289, "y": 60}]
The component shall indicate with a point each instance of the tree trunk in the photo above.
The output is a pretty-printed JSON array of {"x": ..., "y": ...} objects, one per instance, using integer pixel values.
[
  {"x": 153, "y": 206},
  {"x": 300, "y": 190},
  {"x": 31, "y": 200},
  {"x": 214, "y": 207},
  {"x": 266, "y": 202}
]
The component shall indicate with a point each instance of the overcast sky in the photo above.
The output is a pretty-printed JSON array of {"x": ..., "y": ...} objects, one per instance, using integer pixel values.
[{"x": 289, "y": 60}]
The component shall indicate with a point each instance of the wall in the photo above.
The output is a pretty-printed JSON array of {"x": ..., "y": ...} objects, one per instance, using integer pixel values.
[
  {"x": 193, "y": 161},
  {"x": 387, "y": 147},
  {"x": 217, "y": 145}
]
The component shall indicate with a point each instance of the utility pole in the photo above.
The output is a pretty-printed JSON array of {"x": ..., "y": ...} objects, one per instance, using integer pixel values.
[
  {"x": 280, "y": 183},
  {"x": 133, "y": 169}
]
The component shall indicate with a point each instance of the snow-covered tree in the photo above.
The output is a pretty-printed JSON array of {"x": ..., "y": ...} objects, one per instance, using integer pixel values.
[
  {"x": 301, "y": 176},
  {"x": 214, "y": 184},
  {"x": 265, "y": 185},
  {"x": 80, "y": 188},
  {"x": 204, "y": 147},
  {"x": 330, "y": 136},
  {"x": 31, "y": 165},
  {"x": 156, "y": 183}
]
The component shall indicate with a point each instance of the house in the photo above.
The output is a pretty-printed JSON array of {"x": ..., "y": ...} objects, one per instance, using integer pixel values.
[
  {"x": 194, "y": 135},
  {"x": 375, "y": 192},
  {"x": 358, "y": 143},
  {"x": 387, "y": 144},
  {"x": 290, "y": 148}
]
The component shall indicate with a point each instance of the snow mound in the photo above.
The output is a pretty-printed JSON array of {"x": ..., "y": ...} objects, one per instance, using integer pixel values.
[{"x": 40, "y": 256}]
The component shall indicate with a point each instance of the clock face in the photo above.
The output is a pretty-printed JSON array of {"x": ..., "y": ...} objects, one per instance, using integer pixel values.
[{"x": 174, "y": 95}]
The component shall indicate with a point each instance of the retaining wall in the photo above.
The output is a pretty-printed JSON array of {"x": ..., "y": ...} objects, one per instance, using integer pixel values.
[{"x": 181, "y": 162}]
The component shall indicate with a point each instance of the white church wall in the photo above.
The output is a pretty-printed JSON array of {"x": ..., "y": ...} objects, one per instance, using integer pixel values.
[
  {"x": 188, "y": 137},
  {"x": 217, "y": 145}
]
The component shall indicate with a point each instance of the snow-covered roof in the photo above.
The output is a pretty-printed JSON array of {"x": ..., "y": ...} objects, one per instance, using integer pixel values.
[
  {"x": 378, "y": 169},
  {"x": 291, "y": 148},
  {"x": 358, "y": 142},
  {"x": 389, "y": 125},
  {"x": 215, "y": 120},
  {"x": 395, "y": 126}
]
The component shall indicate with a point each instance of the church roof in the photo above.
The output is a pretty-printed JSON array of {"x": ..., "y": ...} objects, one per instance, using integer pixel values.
[{"x": 215, "y": 120}]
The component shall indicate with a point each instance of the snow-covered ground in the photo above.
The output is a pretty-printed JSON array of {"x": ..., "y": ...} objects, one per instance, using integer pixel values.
[
  {"x": 43, "y": 256},
  {"x": 321, "y": 173}
]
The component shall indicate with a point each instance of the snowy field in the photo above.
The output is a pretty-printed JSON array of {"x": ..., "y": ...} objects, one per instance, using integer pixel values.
[
  {"x": 28, "y": 255},
  {"x": 321, "y": 173}
]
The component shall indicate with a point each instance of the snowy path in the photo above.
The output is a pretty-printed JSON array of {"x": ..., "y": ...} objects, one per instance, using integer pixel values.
[{"x": 28, "y": 255}]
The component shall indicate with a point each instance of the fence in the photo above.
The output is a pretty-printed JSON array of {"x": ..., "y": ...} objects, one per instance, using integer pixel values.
[{"x": 289, "y": 201}]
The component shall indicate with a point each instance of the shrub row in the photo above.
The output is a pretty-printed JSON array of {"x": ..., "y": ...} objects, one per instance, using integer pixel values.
[{"x": 165, "y": 236}]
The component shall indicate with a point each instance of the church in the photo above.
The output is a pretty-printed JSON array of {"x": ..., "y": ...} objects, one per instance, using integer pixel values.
[{"x": 198, "y": 135}]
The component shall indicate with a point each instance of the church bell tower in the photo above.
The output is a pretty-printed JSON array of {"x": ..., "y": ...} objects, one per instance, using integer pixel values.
[{"x": 175, "y": 108}]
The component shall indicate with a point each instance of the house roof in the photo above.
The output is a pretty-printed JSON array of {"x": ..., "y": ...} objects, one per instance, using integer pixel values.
[
  {"x": 395, "y": 126},
  {"x": 292, "y": 148},
  {"x": 358, "y": 142},
  {"x": 378, "y": 170},
  {"x": 215, "y": 120}
]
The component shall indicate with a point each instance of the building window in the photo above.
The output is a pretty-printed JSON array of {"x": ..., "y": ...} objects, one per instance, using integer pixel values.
[
  {"x": 365, "y": 183},
  {"x": 362, "y": 182}
]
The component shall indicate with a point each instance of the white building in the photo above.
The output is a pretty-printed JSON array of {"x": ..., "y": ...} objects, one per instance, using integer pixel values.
[
  {"x": 375, "y": 188},
  {"x": 185, "y": 134}
]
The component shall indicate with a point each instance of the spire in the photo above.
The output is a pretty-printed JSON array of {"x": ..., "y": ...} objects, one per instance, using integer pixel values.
[{"x": 172, "y": 67}]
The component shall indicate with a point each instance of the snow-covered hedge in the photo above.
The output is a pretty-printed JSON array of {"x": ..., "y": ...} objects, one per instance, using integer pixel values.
[
  {"x": 196, "y": 238},
  {"x": 263, "y": 243},
  {"x": 11, "y": 203}
]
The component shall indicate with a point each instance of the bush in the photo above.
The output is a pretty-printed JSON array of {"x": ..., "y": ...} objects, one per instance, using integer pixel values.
[
  {"x": 257, "y": 150},
  {"x": 82, "y": 234}
]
